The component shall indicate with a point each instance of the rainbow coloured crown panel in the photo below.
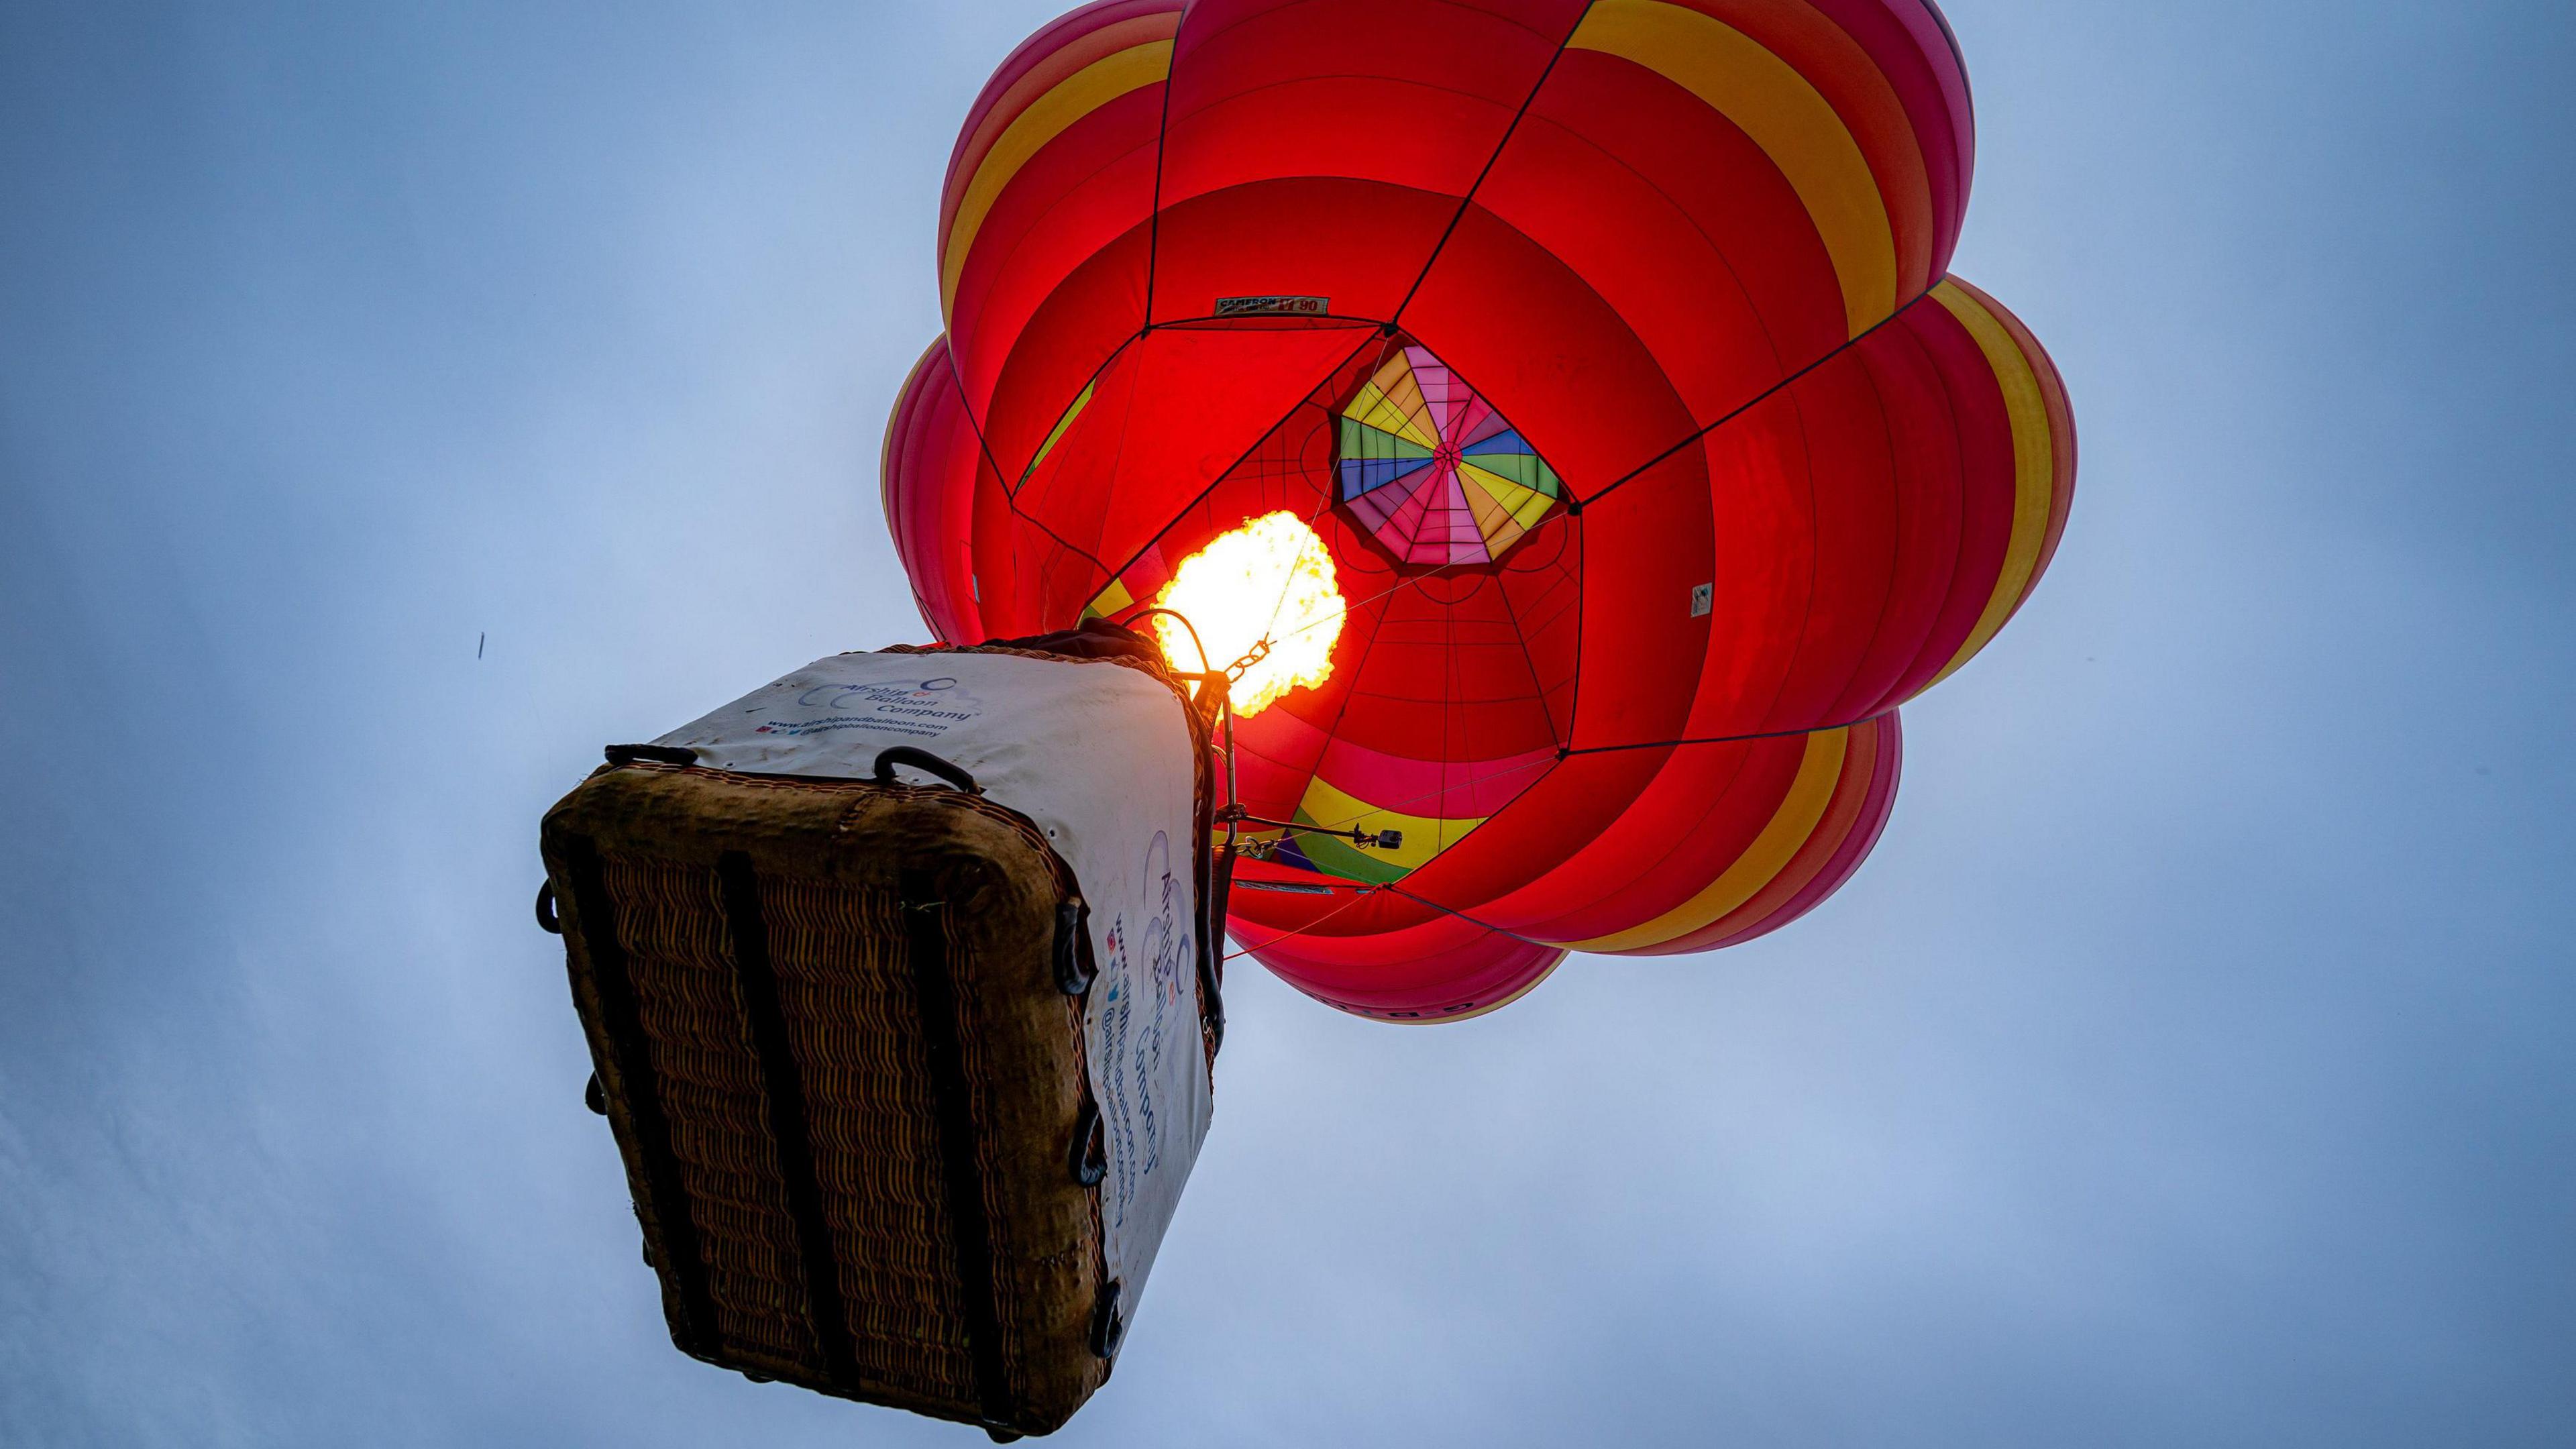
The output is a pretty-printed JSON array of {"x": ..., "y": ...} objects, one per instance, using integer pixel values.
[{"x": 1432, "y": 472}]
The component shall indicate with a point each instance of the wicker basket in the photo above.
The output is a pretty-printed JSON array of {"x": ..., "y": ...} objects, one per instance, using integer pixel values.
[{"x": 838, "y": 1036}]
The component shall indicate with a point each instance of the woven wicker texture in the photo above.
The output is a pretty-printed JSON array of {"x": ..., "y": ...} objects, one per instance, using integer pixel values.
[{"x": 831, "y": 860}]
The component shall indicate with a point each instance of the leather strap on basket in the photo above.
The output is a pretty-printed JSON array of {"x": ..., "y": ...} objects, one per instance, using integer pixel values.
[
  {"x": 935, "y": 992},
  {"x": 787, "y": 1124},
  {"x": 684, "y": 1263}
]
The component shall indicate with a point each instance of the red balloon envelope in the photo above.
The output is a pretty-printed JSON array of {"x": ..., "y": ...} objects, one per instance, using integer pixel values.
[{"x": 1566, "y": 405}]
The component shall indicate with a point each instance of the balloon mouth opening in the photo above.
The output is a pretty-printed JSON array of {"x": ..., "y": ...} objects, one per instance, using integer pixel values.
[{"x": 1264, "y": 602}]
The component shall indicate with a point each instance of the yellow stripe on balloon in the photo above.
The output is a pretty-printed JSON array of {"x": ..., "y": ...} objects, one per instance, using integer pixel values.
[
  {"x": 2034, "y": 465},
  {"x": 1424, "y": 835},
  {"x": 1809, "y": 794},
  {"x": 1788, "y": 118},
  {"x": 1049, "y": 116}
]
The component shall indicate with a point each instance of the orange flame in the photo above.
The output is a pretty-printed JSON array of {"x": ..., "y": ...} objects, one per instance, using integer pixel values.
[{"x": 1264, "y": 597}]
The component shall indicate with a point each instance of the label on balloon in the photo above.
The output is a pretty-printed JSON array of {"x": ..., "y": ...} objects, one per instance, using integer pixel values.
[
  {"x": 1274, "y": 306},
  {"x": 1098, "y": 756}
]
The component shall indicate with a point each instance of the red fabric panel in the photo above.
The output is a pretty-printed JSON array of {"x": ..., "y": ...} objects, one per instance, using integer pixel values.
[
  {"x": 1360, "y": 244},
  {"x": 1701, "y": 812},
  {"x": 1130, "y": 462},
  {"x": 1861, "y": 94},
  {"x": 1056, "y": 278},
  {"x": 1544, "y": 348},
  {"x": 1432, "y": 965},
  {"x": 1062, "y": 47},
  {"x": 929, "y": 489},
  {"x": 1449, "y": 679},
  {"x": 1551, "y": 821},
  {"x": 2061, "y": 426},
  {"x": 1907, "y": 43},
  {"x": 1923, "y": 458},
  {"x": 1852, "y": 824},
  {"x": 1382, "y": 96},
  {"x": 1542, "y": 584},
  {"x": 1681, "y": 223},
  {"x": 1842, "y": 444},
  {"x": 1974, "y": 411},
  {"x": 1279, "y": 749},
  {"x": 1644, "y": 654}
]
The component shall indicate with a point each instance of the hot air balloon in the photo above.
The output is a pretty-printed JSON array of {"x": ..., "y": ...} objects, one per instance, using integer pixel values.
[
  {"x": 1420, "y": 486},
  {"x": 1557, "y": 416}
]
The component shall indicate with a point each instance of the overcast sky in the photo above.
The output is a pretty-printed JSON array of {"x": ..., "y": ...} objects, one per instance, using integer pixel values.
[{"x": 2191, "y": 1066}]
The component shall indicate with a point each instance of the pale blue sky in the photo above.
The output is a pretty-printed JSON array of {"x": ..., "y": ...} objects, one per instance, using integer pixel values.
[{"x": 2190, "y": 1067}]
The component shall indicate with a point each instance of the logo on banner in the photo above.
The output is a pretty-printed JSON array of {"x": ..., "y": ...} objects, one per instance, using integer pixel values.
[
  {"x": 1148, "y": 1013},
  {"x": 918, "y": 708}
]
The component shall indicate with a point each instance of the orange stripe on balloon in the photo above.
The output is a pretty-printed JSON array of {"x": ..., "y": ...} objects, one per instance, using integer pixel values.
[
  {"x": 2061, "y": 423},
  {"x": 1766, "y": 98},
  {"x": 1850, "y": 800},
  {"x": 1842, "y": 70},
  {"x": 2034, "y": 466},
  {"x": 1810, "y": 794},
  {"x": 1048, "y": 117}
]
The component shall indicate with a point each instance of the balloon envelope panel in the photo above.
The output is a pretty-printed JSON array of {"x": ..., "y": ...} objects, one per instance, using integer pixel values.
[{"x": 1609, "y": 352}]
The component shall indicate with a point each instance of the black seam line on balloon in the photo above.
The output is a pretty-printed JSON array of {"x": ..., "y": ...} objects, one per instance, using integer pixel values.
[
  {"x": 1240, "y": 459},
  {"x": 1551, "y": 759},
  {"x": 1358, "y": 895},
  {"x": 1520, "y": 636},
  {"x": 1854, "y": 723},
  {"x": 1496, "y": 155},
  {"x": 1574, "y": 703},
  {"x": 1162, "y": 140},
  {"x": 1011, "y": 490},
  {"x": 1758, "y": 399},
  {"x": 985, "y": 447},
  {"x": 1471, "y": 920},
  {"x": 1011, "y": 486}
]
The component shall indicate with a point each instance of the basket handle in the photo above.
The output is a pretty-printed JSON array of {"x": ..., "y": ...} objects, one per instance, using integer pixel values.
[
  {"x": 655, "y": 754},
  {"x": 923, "y": 760}
]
